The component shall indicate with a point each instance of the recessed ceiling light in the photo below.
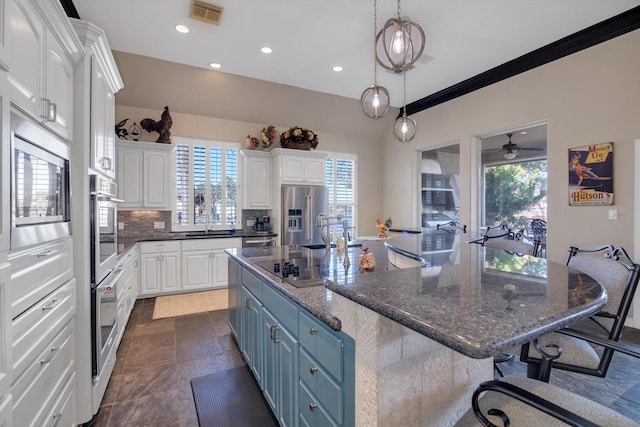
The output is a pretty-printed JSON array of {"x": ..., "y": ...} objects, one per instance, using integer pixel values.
[
  {"x": 337, "y": 68},
  {"x": 266, "y": 50},
  {"x": 215, "y": 65},
  {"x": 524, "y": 132},
  {"x": 182, "y": 29}
]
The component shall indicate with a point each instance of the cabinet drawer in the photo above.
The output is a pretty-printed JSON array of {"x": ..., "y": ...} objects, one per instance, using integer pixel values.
[
  {"x": 285, "y": 312},
  {"x": 212, "y": 243},
  {"x": 62, "y": 411},
  {"x": 320, "y": 341},
  {"x": 43, "y": 380},
  {"x": 33, "y": 329},
  {"x": 35, "y": 273},
  {"x": 163, "y": 246},
  {"x": 324, "y": 388},
  {"x": 312, "y": 413},
  {"x": 252, "y": 283},
  {"x": 6, "y": 415}
]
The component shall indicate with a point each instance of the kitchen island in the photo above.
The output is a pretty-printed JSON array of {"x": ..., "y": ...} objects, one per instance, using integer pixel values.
[{"x": 424, "y": 337}]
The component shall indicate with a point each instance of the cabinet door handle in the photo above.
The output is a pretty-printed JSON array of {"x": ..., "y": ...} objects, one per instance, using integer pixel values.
[
  {"x": 273, "y": 332},
  {"x": 50, "y": 110},
  {"x": 313, "y": 331},
  {"x": 313, "y": 370},
  {"x": 54, "y": 351},
  {"x": 45, "y": 253},
  {"x": 313, "y": 406},
  {"x": 54, "y": 302},
  {"x": 247, "y": 302},
  {"x": 56, "y": 419}
]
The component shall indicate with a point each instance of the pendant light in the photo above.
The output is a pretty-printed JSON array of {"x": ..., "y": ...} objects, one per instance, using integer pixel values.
[
  {"x": 405, "y": 127},
  {"x": 375, "y": 99},
  {"x": 399, "y": 44}
]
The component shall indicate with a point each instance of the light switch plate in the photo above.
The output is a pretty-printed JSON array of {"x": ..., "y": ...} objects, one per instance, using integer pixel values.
[
  {"x": 613, "y": 214},
  {"x": 158, "y": 225},
  {"x": 121, "y": 226}
]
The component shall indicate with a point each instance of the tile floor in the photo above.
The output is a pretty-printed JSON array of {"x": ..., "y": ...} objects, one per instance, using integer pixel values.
[
  {"x": 156, "y": 361},
  {"x": 150, "y": 385}
]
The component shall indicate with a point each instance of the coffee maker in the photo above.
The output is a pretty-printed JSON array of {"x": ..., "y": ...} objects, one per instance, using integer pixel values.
[{"x": 262, "y": 224}]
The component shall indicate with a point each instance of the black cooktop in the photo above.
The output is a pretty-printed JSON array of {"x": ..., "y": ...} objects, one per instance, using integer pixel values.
[{"x": 299, "y": 272}]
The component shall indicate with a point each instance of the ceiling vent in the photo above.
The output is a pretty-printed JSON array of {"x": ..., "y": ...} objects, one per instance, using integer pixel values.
[{"x": 206, "y": 12}]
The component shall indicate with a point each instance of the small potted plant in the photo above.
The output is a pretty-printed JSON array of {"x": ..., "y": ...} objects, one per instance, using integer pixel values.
[{"x": 299, "y": 138}]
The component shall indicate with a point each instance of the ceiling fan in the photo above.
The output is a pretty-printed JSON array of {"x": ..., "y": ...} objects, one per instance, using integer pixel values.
[{"x": 511, "y": 149}]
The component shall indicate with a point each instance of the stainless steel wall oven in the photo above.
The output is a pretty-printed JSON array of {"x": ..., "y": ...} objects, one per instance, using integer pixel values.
[{"x": 40, "y": 190}]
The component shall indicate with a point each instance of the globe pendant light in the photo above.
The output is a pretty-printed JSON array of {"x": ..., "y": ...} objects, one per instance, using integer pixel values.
[
  {"x": 375, "y": 99},
  {"x": 399, "y": 44},
  {"x": 405, "y": 127}
]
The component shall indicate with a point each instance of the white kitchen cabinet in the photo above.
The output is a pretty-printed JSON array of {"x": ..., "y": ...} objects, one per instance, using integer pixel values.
[
  {"x": 257, "y": 179},
  {"x": 4, "y": 42},
  {"x": 301, "y": 167},
  {"x": 102, "y": 81},
  {"x": 5, "y": 334},
  {"x": 160, "y": 267},
  {"x": 144, "y": 175},
  {"x": 6, "y": 411},
  {"x": 41, "y": 61},
  {"x": 204, "y": 263}
]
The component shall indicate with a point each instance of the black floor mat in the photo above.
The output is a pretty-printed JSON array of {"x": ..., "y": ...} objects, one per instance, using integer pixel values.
[{"x": 231, "y": 398}]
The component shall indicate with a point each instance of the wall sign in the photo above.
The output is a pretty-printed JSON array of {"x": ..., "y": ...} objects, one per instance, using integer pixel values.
[{"x": 591, "y": 175}]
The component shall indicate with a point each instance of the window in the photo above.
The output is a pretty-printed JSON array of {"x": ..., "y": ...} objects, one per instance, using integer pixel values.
[
  {"x": 341, "y": 183},
  {"x": 206, "y": 184}
]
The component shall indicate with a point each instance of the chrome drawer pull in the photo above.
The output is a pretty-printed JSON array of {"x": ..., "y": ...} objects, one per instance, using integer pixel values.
[
  {"x": 56, "y": 419},
  {"x": 54, "y": 302},
  {"x": 45, "y": 253},
  {"x": 247, "y": 302},
  {"x": 54, "y": 351},
  {"x": 313, "y": 331},
  {"x": 274, "y": 333},
  {"x": 313, "y": 370},
  {"x": 313, "y": 406}
]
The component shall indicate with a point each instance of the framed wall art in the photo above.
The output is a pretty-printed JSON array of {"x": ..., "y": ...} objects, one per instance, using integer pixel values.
[{"x": 591, "y": 175}]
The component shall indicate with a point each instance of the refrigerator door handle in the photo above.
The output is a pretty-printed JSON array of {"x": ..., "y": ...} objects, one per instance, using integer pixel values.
[{"x": 308, "y": 232}]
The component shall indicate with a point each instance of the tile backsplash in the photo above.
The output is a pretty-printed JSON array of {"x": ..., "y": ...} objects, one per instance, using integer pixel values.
[{"x": 144, "y": 223}]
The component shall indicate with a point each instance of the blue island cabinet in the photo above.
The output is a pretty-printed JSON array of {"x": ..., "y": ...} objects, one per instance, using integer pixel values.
[{"x": 304, "y": 369}]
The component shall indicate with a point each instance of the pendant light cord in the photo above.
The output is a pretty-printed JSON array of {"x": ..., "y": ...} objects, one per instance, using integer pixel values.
[
  {"x": 375, "y": 45},
  {"x": 404, "y": 91}
]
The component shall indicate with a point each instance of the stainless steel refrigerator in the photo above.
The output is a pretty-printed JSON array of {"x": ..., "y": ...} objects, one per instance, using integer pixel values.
[{"x": 301, "y": 205}]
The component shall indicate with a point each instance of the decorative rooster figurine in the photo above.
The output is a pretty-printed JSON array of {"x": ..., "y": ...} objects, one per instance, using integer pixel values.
[
  {"x": 383, "y": 229},
  {"x": 162, "y": 126}
]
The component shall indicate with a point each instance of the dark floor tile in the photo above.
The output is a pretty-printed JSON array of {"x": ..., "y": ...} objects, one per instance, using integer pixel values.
[
  {"x": 197, "y": 350},
  {"x": 112, "y": 389},
  {"x": 159, "y": 409},
  {"x": 219, "y": 315},
  {"x": 147, "y": 381},
  {"x": 102, "y": 417},
  {"x": 145, "y": 357},
  {"x": 188, "y": 414},
  {"x": 234, "y": 359},
  {"x": 160, "y": 325},
  {"x": 193, "y": 321},
  {"x": 200, "y": 367},
  {"x": 153, "y": 340},
  {"x": 199, "y": 333},
  {"x": 228, "y": 342}
]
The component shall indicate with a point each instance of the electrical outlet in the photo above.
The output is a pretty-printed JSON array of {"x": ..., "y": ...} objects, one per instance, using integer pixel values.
[
  {"x": 121, "y": 226},
  {"x": 251, "y": 222},
  {"x": 158, "y": 225},
  {"x": 613, "y": 214}
]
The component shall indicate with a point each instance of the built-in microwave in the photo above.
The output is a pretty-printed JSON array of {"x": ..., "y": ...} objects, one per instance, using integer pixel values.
[{"x": 40, "y": 188}]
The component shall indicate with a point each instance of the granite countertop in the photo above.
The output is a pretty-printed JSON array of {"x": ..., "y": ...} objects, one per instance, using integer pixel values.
[{"x": 476, "y": 300}]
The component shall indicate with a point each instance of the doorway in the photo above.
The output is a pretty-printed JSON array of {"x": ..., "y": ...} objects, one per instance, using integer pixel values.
[{"x": 514, "y": 177}]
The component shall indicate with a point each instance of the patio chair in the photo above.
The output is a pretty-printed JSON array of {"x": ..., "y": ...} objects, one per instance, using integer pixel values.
[
  {"x": 452, "y": 227},
  {"x": 569, "y": 348},
  {"x": 511, "y": 246},
  {"x": 520, "y": 401}
]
